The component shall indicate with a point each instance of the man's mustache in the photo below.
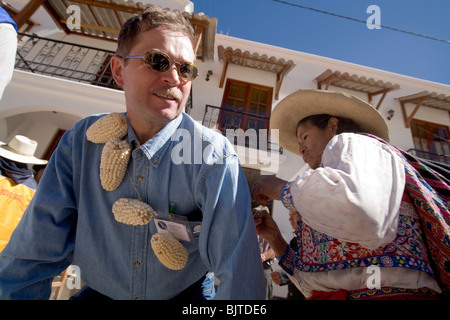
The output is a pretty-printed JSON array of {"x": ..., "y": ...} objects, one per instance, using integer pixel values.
[{"x": 169, "y": 93}]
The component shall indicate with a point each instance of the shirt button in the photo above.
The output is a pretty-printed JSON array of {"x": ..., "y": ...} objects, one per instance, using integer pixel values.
[
  {"x": 155, "y": 161},
  {"x": 137, "y": 264},
  {"x": 140, "y": 178}
]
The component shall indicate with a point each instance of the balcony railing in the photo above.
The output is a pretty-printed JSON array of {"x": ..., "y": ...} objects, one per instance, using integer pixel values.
[
  {"x": 250, "y": 138},
  {"x": 441, "y": 158},
  {"x": 68, "y": 61},
  {"x": 65, "y": 60}
]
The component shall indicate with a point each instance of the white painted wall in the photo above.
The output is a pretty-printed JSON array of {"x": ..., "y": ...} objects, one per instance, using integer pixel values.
[{"x": 37, "y": 106}]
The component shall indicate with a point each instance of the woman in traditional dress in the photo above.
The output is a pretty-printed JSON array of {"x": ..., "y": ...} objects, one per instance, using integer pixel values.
[{"x": 359, "y": 232}]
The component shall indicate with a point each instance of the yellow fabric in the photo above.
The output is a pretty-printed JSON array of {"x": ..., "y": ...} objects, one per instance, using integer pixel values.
[{"x": 14, "y": 199}]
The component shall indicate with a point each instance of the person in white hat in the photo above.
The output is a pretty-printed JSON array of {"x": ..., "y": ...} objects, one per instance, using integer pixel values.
[
  {"x": 359, "y": 234},
  {"x": 17, "y": 183}
]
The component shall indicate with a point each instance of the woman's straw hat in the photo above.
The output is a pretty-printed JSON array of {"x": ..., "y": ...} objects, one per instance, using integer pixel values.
[
  {"x": 303, "y": 103},
  {"x": 20, "y": 149}
]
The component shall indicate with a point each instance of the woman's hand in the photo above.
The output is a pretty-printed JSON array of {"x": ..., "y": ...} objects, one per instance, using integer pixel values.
[
  {"x": 267, "y": 188},
  {"x": 276, "y": 278},
  {"x": 267, "y": 228}
]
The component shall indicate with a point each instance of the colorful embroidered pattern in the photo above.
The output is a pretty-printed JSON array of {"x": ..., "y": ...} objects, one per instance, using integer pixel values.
[
  {"x": 422, "y": 242},
  {"x": 389, "y": 293},
  {"x": 286, "y": 196},
  {"x": 430, "y": 192},
  {"x": 320, "y": 252}
]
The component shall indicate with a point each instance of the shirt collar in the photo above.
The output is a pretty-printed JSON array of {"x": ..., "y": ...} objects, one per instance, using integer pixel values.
[{"x": 156, "y": 147}]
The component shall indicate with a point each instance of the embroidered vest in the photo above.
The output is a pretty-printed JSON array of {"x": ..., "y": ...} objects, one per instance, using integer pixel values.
[
  {"x": 319, "y": 252},
  {"x": 428, "y": 184},
  {"x": 423, "y": 239}
]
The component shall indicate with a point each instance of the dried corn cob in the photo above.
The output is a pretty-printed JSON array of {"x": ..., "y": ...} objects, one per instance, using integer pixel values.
[
  {"x": 132, "y": 211},
  {"x": 113, "y": 163},
  {"x": 112, "y": 125},
  {"x": 170, "y": 252}
]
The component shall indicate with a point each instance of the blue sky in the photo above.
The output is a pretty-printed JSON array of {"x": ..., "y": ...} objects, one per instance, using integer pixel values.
[{"x": 292, "y": 27}]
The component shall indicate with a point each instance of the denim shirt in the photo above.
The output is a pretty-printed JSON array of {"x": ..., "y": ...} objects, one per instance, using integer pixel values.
[{"x": 70, "y": 221}]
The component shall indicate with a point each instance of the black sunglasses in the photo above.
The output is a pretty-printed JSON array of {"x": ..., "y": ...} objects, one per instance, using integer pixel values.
[{"x": 161, "y": 62}]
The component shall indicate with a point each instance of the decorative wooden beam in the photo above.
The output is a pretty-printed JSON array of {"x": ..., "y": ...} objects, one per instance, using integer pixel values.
[
  {"x": 383, "y": 92},
  {"x": 200, "y": 29},
  {"x": 95, "y": 27},
  {"x": 244, "y": 59},
  {"x": 95, "y": 18},
  {"x": 55, "y": 16},
  {"x": 198, "y": 39},
  {"x": 407, "y": 119},
  {"x": 381, "y": 99},
  {"x": 280, "y": 77},
  {"x": 329, "y": 78},
  {"x": 108, "y": 5},
  {"x": 327, "y": 81},
  {"x": 25, "y": 14},
  {"x": 224, "y": 70}
]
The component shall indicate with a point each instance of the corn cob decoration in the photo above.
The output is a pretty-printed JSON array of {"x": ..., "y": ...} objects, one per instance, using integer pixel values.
[
  {"x": 112, "y": 125},
  {"x": 113, "y": 163},
  {"x": 170, "y": 252},
  {"x": 109, "y": 129},
  {"x": 132, "y": 211}
]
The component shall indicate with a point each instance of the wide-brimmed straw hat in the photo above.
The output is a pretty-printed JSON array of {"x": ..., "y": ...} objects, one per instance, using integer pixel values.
[
  {"x": 303, "y": 103},
  {"x": 20, "y": 149}
]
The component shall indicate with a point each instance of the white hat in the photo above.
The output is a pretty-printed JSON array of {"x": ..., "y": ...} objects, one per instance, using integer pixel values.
[
  {"x": 20, "y": 149},
  {"x": 303, "y": 103}
]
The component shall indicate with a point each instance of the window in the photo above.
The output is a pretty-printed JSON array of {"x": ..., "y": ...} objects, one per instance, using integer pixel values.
[
  {"x": 245, "y": 106},
  {"x": 431, "y": 141}
]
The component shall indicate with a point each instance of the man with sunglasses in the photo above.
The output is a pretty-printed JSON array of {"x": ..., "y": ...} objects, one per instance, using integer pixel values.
[{"x": 70, "y": 221}]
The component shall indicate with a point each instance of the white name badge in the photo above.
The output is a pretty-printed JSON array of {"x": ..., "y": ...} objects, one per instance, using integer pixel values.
[{"x": 178, "y": 229}]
